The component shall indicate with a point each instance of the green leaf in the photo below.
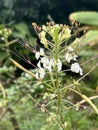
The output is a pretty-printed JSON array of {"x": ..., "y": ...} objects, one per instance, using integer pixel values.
[
  {"x": 3, "y": 55},
  {"x": 22, "y": 30},
  {"x": 85, "y": 17},
  {"x": 89, "y": 37}
]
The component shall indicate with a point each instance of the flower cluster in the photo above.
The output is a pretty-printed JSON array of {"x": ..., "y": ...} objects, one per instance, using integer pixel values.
[
  {"x": 5, "y": 33},
  {"x": 45, "y": 63},
  {"x": 58, "y": 32},
  {"x": 70, "y": 55}
]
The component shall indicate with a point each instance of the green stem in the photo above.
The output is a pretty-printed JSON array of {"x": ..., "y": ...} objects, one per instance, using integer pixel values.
[
  {"x": 59, "y": 100},
  {"x": 52, "y": 79},
  {"x": 87, "y": 100},
  {"x": 3, "y": 93},
  {"x": 57, "y": 87}
]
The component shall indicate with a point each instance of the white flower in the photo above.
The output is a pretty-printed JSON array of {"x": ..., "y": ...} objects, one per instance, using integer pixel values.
[
  {"x": 40, "y": 74},
  {"x": 68, "y": 57},
  {"x": 59, "y": 65},
  {"x": 52, "y": 62},
  {"x": 75, "y": 67},
  {"x": 43, "y": 59},
  {"x": 39, "y": 53},
  {"x": 75, "y": 57},
  {"x": 47, "y": 64}
]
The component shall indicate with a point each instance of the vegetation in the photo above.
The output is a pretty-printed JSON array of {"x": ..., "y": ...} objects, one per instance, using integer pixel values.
[{"x": 48, "y": 73}]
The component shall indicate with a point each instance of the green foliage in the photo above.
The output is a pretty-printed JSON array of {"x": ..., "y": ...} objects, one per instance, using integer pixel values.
[
  {"x": 90, "y": 36},
  {"x": 53, "y": 98},
  {"x": 53, "y": 102},
  {"x": 91, "y": 21},
  {"x": 86, "y": 17},
  {"x": 22, "y": 30},
  {"x": 5, "y": 42},
  {"x": 89, "y": 41}
]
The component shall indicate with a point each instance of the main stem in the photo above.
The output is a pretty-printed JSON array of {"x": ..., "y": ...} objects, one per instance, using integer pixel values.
[
  {"x": 57, "y": 87},
  {"x": 59, "y": 100}
]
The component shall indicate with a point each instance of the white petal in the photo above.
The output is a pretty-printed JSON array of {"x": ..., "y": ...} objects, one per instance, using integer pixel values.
[
  {"x": 81, "y": 72},
  {"x": 42, "y": 73},
  {"x": 41, "y": 51},
  {"x": 68, "y": 57},
  {"x": 75, "y": 57},
  {"x": 75, "y": 67},
  {"x": 37, "y": 55},
  {"x": 43, "y": 59},
  {"x": 51, "y": 62},
  {"x": 47, "y": 64},
  {"x": 39, "y": 64},
  {"x": 59, "y": 65}
]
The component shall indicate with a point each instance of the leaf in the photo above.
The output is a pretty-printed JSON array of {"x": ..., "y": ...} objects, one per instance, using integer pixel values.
[
  {"x": 22, "y": 30},
  {"x": 3, "y": 55},
  {"x": 85, "y": 17},
  {"x": 89, "y": 37}
]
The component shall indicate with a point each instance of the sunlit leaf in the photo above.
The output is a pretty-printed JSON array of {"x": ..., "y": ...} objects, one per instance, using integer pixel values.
[
  {"x": 85, "y": 17},
  {"x": 89, "y": 37}
]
